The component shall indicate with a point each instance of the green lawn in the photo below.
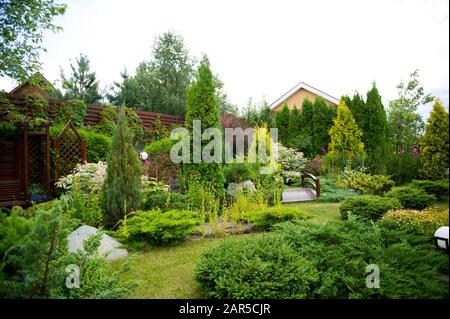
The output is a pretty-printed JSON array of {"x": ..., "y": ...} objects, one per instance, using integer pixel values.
[
  {"x": 167, "y": 272},
  {"x": 321, "y": 211}
]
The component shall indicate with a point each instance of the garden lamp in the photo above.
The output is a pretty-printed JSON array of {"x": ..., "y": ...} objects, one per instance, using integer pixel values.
[
  {"x": 441, "y": 238},
  {"x": 143, "y": 156}
]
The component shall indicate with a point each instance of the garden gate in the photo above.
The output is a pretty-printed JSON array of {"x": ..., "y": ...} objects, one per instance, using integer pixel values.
[{"x": 70, "y": 150}]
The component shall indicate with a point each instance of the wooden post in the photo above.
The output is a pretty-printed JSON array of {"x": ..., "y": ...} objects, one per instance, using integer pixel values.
[
  {"x": 25, "y": 155},
  {"x": 83, "y": 151},
  {"x": 317, "y": 180},
  {"x": 47, "y": 150},
  {"x": 55, "y": 148}
]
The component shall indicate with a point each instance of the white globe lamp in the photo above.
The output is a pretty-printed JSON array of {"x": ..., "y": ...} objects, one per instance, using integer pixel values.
[
  {"x": 441, "y": 238},
  {"x": 143, "y": 156}
]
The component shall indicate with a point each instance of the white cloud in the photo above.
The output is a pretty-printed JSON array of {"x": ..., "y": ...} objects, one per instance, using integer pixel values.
[{"x": 263, "y": 48}]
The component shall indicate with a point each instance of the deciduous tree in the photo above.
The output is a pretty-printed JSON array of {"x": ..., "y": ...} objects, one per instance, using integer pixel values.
[{"x": 22, "y": 24}]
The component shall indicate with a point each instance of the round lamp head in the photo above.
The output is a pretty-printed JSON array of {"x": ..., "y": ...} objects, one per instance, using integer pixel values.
[
  {"x": 441, "y": 237},
  {"x": 143, "y": 156}
]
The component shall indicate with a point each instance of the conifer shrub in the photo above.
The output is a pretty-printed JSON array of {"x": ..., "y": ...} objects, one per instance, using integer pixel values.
[
  {"x": 367, "y": 183},
  {"x": 368, "y": 207},
  {"x": 166, "y": 201},
  {"x": 201, "y": 105},
  {"x": 266, "y": 218},
  {"x": 122, "y": 186},
  {"x": 35, "y": 256},
  {"x": 436, "y": 188},
  {"x": 411, "y": 197},
  {"x": 155, "y": 227},
  {"x": 309, "y": 260},
  {"x": 435, "y": 144},
  {"x": 259, "y": 268}
]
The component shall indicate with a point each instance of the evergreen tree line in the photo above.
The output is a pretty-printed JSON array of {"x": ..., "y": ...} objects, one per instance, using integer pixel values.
[{"x": 361, "y": 132}]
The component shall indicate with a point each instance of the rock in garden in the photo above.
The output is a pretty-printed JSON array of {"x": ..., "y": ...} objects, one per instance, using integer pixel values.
[
  {"x": 233, "y": 189},
  {"x": 248, "y": 185},
  {"x": 109, "y": 248}
]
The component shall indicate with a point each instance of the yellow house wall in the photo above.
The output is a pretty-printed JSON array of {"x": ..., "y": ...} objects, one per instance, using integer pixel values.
[{"x": 297, "y": 99}]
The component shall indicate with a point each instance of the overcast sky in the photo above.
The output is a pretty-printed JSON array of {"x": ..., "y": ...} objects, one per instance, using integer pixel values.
[{"x": 261, "y": 49}]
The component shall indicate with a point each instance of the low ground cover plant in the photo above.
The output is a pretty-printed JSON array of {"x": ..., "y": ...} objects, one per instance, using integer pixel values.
[
  {"x": 264, "y": 267},
  {"x": 330, "y": 191},
  {"x": 166, "y": 201},
  {"x": 266, "y": 218},
  {"x": 308, "y": 260},
  {"x": 368, "y": 207},
  {"x": 155, "y": 227},
  {"x": 412, "y": 197},
  {"x": 436, "y": 188}
]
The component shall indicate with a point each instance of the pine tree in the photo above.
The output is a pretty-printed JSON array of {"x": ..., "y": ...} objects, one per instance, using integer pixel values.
[
  {"x": 82, "y": 84},
  {"x": 282, "y": 120},
  {"x": 201, "y": 104},
  {"x": 375, "y": 137},
  {"x": 294, "y": 126},
  {"x": 434, "y": 145},
  {"x": 345, "y": 137},
  {"x": 322, "y": 120},
  {"x": 122, "y": 187}
]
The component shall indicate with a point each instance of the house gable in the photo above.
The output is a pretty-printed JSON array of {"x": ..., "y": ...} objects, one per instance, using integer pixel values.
[
  {"x": 36, "y": 84},
  {"x": 300, "y": 92}
]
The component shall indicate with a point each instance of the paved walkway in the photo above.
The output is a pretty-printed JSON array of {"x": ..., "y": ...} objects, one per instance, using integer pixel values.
[{"x": 297, "y": 195}]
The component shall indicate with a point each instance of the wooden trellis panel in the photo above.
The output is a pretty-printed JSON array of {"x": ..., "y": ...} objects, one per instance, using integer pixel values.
[
  {"x": 39, "y": 159},
  {"x": 70, "y": 150}
]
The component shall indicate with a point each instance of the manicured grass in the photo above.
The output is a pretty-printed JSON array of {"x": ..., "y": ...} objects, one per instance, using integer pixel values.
[
  {"x": 167, "y": 272},
  {"x": 321, "y": 211}
]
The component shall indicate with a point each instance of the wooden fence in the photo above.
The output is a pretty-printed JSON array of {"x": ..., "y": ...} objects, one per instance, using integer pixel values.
[{"x": 93, "y": 113}]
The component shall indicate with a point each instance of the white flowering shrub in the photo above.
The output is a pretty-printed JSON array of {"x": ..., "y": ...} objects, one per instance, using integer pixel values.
[
  {"x": 292, "y": 163},
  {"x": 91, "y": 176}
]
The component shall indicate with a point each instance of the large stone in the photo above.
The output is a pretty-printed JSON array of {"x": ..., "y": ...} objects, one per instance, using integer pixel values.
[
  {"x": 233, "y": 189},
  {"x": 109, "y": 248},
  {"x": 248, "y": 185}
]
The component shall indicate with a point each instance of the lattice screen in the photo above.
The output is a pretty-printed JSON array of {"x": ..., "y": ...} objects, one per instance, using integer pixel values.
[
  {"x": 37, "y": 160},
  {"x": 70, "y": 150}
]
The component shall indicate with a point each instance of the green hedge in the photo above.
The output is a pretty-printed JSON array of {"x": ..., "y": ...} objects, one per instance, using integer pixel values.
[
  {"x": 368, "y": 207},
  {"x": 411, "y": 197}
]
